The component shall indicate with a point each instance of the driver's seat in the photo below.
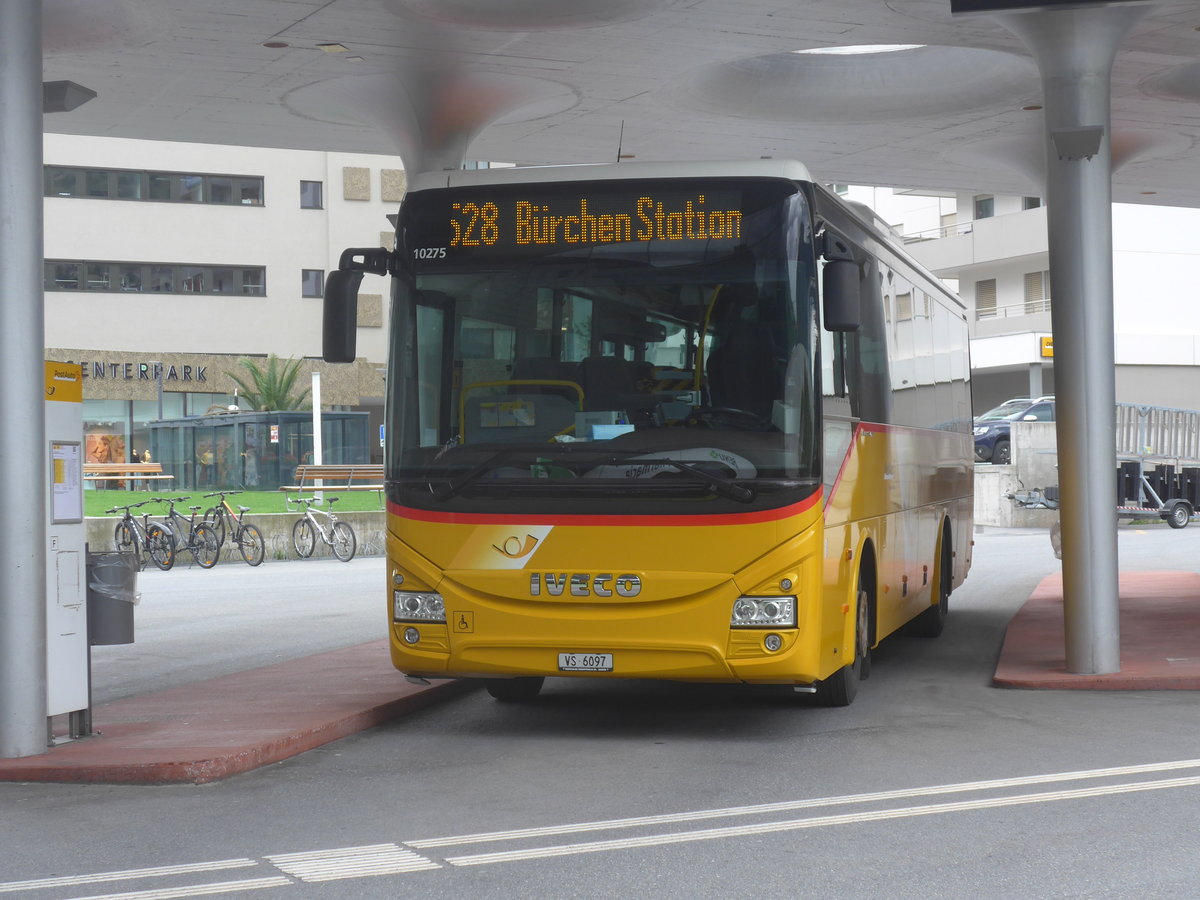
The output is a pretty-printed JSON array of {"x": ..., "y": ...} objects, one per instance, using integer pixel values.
[{"x": 742, "y": 373}]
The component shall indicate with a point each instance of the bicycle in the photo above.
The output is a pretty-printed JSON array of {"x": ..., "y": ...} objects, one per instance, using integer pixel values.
[
  {"x": 338, "y": 535},
  {"x": 155, "y": 540},
  {"x": 201, "y": 540},
  {"x": 222, "y": 519}
]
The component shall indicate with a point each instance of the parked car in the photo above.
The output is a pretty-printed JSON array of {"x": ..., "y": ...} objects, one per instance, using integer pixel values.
[{"x": 993, "y": 429}]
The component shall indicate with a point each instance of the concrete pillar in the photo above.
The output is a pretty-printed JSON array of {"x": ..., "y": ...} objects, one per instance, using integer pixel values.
[
  {"x": 1035, "y": 380},
  {"x": 24, "y": 451},
  {"x": 1074, "y": 49}
]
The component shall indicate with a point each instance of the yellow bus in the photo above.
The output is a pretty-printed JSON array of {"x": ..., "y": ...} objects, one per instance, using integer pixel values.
[{"x": 700, "y": 421}]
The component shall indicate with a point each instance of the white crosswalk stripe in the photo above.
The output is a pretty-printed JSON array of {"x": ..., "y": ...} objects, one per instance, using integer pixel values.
[{"x": 351, "y": 862}]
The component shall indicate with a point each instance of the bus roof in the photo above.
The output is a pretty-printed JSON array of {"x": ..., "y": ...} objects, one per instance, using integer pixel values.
[{"x": 755, "y": 168}]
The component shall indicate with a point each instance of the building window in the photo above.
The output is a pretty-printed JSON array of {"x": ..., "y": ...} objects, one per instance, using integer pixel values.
[
  {"x": 254, "y": 282},
  {"x": 193, "y": 279},
  {"x": 97, "y": 183},
  {"x": 62, "y": 182},
  {"x": 161, "y": 187},
  {"x": 191, "y": 188},
  {"x": 1031, "y": 202},
  {"x": 310, "y": 195},
  {"x": 99, "y": 276},
  {"x": 312, "y": 282},
  {"x": 220, "y": 190},
  {"x": 62, "y": 276},
  {"x": 131, "y": 277},
  {"x": 130, "y": 185},
  {"x": 985, "y": 207},
  {"x": 985, "y": 299},
  {"x": 1037, "y": 292},
  {"x": 162, "y": 280}
]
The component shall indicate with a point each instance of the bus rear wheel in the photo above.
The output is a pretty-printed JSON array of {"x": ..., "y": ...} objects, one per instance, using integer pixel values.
[
  {"x": 840, "y": 688},
  {"x": 514, "y": 690}
]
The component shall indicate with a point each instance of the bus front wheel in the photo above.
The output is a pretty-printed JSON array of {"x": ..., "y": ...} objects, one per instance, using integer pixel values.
[{"x": 840, "y": 688}]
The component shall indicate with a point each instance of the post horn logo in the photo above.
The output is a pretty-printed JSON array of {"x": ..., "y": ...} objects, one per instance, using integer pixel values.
[{"x": 515, "y": 548}]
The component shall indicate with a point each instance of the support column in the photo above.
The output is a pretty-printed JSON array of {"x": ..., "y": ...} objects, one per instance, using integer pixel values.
[
  {"x": 1074, "y": 49},
  {"x": 23, "y": 707},
  {"x": 1035, "y": 380}
]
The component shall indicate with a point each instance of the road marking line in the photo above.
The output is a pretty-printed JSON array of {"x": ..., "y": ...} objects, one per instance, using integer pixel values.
[
  {"x": 126, "y": 875},
  {"x": 196, "y": 890},
  {"x": 351, "y": 862},
  {"x": 818, "y": 822},
  {"x": 790, "y": 805}
]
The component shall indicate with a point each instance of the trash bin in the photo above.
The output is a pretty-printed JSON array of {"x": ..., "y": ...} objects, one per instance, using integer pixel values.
[{"x": 111, "y": 597}]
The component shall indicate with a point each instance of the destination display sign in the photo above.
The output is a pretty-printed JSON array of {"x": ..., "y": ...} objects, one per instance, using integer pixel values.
[{"x": 578, "y": 217}]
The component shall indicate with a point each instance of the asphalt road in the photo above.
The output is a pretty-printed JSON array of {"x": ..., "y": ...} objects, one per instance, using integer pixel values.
[{"x": 932, "y": 784}]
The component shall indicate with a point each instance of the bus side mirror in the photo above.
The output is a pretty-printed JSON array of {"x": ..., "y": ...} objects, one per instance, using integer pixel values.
[
  {"x": 842, "y": 296},
  {"x": 340, "y": 315},
  {"x": 339, "y": 331}
]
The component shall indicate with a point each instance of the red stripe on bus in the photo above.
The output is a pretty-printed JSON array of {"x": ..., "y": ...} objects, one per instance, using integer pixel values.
[{"x": 766, "y": 515}]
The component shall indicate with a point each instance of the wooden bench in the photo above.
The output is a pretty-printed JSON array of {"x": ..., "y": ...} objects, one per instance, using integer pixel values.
[
  {"x": 129, "y": 472},
  {"x": 352, "y": 477}
]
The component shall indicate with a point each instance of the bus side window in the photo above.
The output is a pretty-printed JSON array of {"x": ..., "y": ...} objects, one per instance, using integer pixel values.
[{"x": 867, "y": 354}]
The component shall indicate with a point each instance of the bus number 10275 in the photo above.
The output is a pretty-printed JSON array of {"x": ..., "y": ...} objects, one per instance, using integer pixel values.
[{"x": 476, "y": 224}]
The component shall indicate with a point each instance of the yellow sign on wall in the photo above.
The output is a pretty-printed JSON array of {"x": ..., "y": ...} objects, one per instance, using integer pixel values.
[
  {"x": 64, "y": 382},
  {"x": 1048, "y": 345}
]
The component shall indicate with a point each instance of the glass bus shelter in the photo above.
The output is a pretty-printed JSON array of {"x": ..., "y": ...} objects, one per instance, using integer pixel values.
[{"x": 252, "y": 450}]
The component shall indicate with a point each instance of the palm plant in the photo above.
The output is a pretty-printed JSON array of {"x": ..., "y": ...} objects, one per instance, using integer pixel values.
[{"x": 269, "y": 386}]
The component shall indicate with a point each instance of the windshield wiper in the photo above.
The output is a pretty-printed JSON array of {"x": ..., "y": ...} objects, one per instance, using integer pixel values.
[
  {"x": 473, "y": 474},
  {"x": 725, "y": 486}
]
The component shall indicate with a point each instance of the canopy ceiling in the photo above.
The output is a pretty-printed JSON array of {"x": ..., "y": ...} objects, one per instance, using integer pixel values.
[{"x": 564, "y": 81}]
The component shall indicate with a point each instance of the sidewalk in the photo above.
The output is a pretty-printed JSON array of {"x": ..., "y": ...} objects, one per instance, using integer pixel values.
[
  {"x": 223, "y": 726},
  {"x": 1160, "y": 637}
]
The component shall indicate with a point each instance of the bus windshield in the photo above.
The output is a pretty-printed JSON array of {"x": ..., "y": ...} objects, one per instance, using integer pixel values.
[{"x": 620, "y": 346}]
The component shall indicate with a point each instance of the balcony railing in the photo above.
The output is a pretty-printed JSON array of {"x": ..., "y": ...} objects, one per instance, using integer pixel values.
[
  {"x": 944, "y": 231},
  {"x": 1012, "y": 310}
]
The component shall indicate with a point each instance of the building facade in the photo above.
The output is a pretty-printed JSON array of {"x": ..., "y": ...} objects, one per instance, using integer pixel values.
[
  {"x": 168, "y": 263},
  {"x": 994, "y": 251}
]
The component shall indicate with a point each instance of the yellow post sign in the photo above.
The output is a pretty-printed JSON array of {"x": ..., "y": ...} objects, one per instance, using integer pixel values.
[
  {"x": 1048, "y": 345},
  {"x": 64, "y": 382}
]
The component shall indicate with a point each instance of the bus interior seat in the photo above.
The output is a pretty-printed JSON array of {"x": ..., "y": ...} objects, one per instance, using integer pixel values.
[
  {"x": 608, "y": 382},
  {"x": 742, "y": 371},
  {"x": 543, "y": 368}
]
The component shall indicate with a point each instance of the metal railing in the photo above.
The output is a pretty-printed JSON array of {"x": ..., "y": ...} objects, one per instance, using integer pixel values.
[
  {"x": 943, "y": 231},
  {"x": 1013, "y": 310}
]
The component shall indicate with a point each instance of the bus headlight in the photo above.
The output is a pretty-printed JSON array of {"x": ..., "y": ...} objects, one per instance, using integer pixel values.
[
  {"x": 418, "y": 606},
  {"x": 764, "y": 612}
]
